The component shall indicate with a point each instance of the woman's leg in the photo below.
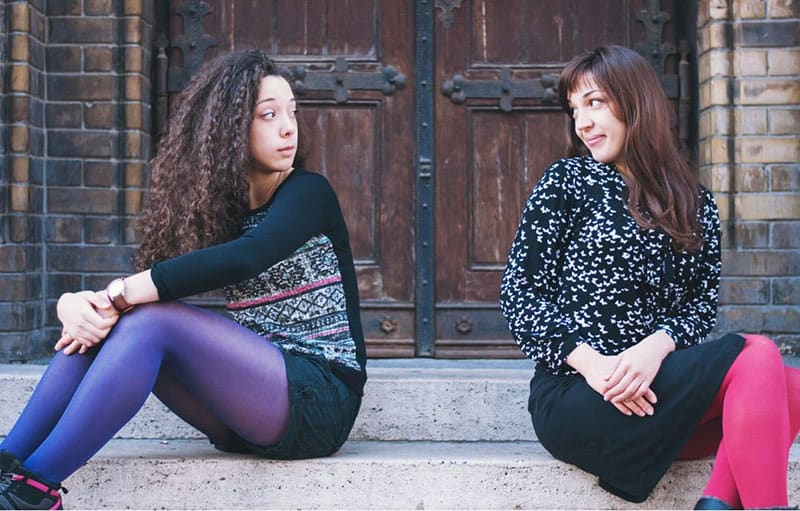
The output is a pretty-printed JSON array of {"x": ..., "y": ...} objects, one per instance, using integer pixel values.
[
  {"x": 237, "y": 375},
  {"x": 47, "y": 403},
  {"x": 754, "y": 404}
]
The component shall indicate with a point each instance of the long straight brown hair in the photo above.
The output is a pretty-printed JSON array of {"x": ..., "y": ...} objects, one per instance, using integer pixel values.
[{"x": 663, "y": 188}]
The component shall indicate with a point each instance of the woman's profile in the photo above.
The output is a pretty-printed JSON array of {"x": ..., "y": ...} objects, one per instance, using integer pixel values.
[
  {"x": 230, "y": 207},
  {"x": 612, "y": 285}
]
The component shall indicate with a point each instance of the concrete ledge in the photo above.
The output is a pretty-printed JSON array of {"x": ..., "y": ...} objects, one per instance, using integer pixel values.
[
  {"x": 364, "y": 475},
  {"x": 404, "y": 400}
]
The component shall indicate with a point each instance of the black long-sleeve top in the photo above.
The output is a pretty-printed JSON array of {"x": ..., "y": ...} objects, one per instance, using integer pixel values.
[
  {"x": 289, "y": 277},
  {"x": 581, "y": 270}
]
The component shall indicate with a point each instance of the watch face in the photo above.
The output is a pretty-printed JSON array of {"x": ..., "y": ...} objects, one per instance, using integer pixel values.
[{"x": 116, "y": 287}]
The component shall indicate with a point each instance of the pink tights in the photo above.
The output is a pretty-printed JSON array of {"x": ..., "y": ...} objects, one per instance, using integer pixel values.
[{"x": 751, "y": 425}]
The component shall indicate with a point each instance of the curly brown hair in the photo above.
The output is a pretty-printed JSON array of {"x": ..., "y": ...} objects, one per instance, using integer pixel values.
[
  {"x": 664, "y": 189},
  {"x": 199, "y": 177}
]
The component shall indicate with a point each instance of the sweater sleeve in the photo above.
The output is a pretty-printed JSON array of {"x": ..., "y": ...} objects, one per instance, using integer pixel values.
[
  {"x": 530, "y": 284},
  {"x": 695, "y": 315},
  {"x": 304, "y": 206}
]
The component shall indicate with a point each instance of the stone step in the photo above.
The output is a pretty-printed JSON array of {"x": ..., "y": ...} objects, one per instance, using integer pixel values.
[
  {"x": 407, "y": 400},
  {"x": 190, "y": 474}
]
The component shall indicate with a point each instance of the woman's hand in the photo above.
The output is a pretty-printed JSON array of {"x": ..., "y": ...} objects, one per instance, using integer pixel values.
[
  {"x": 87, "y": 318},
  {"x": 596, "y": 369},
  {"x": 636, "y": 368}
]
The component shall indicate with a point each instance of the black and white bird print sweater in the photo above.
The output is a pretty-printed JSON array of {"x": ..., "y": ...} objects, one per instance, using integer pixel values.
[{"x": 581, "y": 270}]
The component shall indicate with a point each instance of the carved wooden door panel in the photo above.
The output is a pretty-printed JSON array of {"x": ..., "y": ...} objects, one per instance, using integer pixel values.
[
  {"x": 498, "y": 128},
  {"x": 350, "y": 62},
  {"x": 431, "y": 211}
]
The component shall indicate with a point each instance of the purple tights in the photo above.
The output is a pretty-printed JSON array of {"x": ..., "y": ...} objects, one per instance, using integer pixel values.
[{"x": 215, "y": 374}]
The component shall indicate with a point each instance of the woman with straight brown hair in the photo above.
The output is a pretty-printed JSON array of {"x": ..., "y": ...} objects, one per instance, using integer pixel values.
[{"x": 611, "y": 287}]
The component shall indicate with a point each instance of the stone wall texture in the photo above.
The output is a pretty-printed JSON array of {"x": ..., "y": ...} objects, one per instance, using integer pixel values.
[
  {"x": 75, "y": 132},
  {"x": 749, "y": 147}
]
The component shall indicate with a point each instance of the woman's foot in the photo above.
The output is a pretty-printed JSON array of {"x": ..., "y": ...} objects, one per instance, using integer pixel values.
[
  {"x": 23, "y": 490},
  {"x": 712, "y": 503}
]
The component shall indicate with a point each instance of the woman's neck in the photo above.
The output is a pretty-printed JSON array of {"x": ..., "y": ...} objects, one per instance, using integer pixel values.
[{"x": 264, "y": 185}]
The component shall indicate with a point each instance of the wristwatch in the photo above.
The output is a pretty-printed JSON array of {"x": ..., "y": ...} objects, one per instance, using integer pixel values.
[{"x": 116, "y": 295}]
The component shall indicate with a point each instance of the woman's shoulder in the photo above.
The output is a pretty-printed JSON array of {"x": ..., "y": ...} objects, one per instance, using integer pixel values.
[
  {"x": 576, "y": 167},
  {"x": 569, "y": 174},
  {"x": 309, "y": 181}
]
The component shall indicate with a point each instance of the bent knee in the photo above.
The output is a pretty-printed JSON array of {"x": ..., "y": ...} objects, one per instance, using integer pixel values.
[
  {"x": 146, "y": 317},
  {"x": 761, "y": 346}
]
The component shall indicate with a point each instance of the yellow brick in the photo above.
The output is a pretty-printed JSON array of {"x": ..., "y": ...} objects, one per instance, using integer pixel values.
[
  {"x": 133, "y": 30},
  {"x": 784, "y": 122},
  {"x": 20, "y": 48},
  {"x": 751, "y": 121},
  {"x": 717, "y": 92},
  {"x": 719, "y": 178},
  {"x": 750, "y": 63},
  {"x": 20, "y": 17},
  {"x": 19, "y": 139},
  {"x": 767, "y": 206},
  {"x": 723, "y": 204},
  {"x": 718, "y": 121},
  {"x": 752, "y": 179},
  {"x": 20, "y": 172},
  {"x": 133, "y": 116},
  {"x": 133, "y": 88},
  {"x": 768, "y": 149},
  {"x": 706, "y": 123},
  {"x": 782, "y": 8},
  {"x": 712, "y": 36},
  {"x": 769, "y": 92},
  {"x": 133, "y": 202},
  {"x": 19, "y": 198},
  {"x": 133, "y": 7},
  {"x": 719, "y": 150},
  {"x": 133, "y": 60},
  {"x": 781, "y": 61},
  {"x": 133, "y": 144},
  {"x": 20, "y": 79},
  {"x": 749, "y": 8},
  {"x": 702, "y": 13},
  {"x": 718, "y": 9},
  {"x": 134, "y": 175}
]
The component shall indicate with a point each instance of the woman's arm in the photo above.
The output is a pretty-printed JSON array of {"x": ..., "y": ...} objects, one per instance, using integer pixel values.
[
  {"x": 530, "y": 287},
  {"x": 694, "y": 318},
  {"x": 88, "y": 316},
  {"x": 304, "y": 206}
]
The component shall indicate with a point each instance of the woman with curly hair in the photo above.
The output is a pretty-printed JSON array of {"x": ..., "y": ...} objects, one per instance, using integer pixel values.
[
  {"x": 612, "y": 284},
  {"x": 229, "y": 207}
]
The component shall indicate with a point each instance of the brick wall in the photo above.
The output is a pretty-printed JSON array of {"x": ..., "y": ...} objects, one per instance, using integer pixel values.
[
  {"x": 748, "y": 67},
  {"x": 22, "y": 315},
  {"x": 80, "y": 68},
  {"x": 75, "y": 133}
]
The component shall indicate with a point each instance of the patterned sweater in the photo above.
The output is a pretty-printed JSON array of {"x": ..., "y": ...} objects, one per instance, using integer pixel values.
[
  {"x": 289, "y": 277},
  {"x": 582, "y": 271}
]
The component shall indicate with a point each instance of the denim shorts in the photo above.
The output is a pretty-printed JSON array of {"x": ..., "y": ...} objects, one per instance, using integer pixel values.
[{"x": 323, "y": 410}]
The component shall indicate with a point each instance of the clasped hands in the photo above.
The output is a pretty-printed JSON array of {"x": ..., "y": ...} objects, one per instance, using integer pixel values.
[
  {"x": 624, "y": 379},
  {"x": 86, "y": 318}
]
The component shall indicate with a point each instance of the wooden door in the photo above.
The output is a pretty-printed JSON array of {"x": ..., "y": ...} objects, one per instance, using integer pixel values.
[
  {"x": 431, "y": 212},
  {"x": 498, "y": 128},
  {"x": 353, "y": 71}
]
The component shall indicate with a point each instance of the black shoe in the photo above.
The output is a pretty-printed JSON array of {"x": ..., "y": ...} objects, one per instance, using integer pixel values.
[
  {"x": 23, "y": 490},
  {"x": 8, "y": 462},
  {"x": 712, "y": 503}
]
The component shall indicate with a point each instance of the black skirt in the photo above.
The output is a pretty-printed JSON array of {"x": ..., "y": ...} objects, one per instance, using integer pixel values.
[{"x": 630, "y": 454}]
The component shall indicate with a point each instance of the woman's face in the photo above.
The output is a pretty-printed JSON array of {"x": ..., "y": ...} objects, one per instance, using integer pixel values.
[
  {"x": 273, "y": 133},
  {"x": 596, "y": 124}
]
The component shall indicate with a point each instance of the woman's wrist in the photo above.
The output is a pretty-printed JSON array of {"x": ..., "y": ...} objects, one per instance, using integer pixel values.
[{"x": 582, "y": 358}]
